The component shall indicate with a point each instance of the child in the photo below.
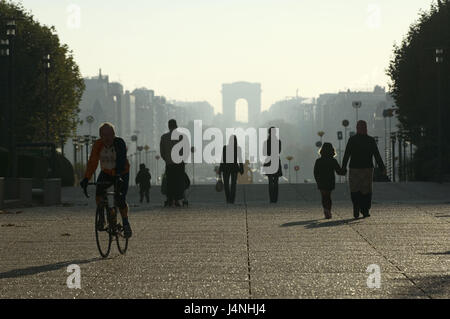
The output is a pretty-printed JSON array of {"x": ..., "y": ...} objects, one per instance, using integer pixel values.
[
  {"x": 324, "y": 170},
  {"x": 143, "y": 180}
]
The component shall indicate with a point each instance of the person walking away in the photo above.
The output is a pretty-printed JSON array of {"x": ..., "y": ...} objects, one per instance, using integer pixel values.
[
  {"x": 361, "y": 149},
  {"x": 143, "y": 178},
  {"x": 174, "y": 169},
  {"x": 230, "y": 166},
  {"x": 324, "y": 172},
  {"x": 273, "y": 175}
]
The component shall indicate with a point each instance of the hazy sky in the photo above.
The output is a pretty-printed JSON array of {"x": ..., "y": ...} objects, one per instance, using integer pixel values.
[{"x": 185, "y": 49}]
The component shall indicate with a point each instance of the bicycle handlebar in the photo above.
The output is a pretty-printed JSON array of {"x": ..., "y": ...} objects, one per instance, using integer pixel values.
[{"x": 97, "y": 183}]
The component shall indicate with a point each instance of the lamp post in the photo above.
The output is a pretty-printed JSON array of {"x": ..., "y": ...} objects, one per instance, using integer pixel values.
[
  {"x": 5, "y": 110},
  {"x": 296, "y": 168},
  {"x": 345, "y": 124},
  {"x": 140, "y": 149},
  {"x": 134, "y": 139},
  {"x": 386, "y": 113},
  {"x": 321, "y": 134},
  {"x": 146, "y": 148},
  {"x": 157, "y": 157},
  {"x": 90, "y": 119},
  {"x": 80, "y": 144},
  {"x": 439, "y": 62},
  {"x": 357, "y": 105},
  {"x": 61, "y": 140},
  {"x": 339, "y": 136},
  {"x": 93, "y": 139},
  {"x": 47, "y": 66},
  {"x": 75, "y": 146},
  {"x": 393, "y": 138},
  {"x": 87, "y": 140},
  {"x": 8, "y": 51},
  {"x": 289, "y": 158},
  {"x": 400, "y": 156},
  {"x": 193, "y": 165}
]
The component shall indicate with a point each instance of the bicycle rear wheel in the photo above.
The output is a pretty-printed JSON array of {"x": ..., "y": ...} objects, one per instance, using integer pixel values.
[
  {"x": 103, "y": 237},
  {"x": 122, "y": 241}
]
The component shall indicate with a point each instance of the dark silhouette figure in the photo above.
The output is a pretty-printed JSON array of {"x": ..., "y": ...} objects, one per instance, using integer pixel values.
[
  {"x": 174, "y": 171},
  {"x": 143, "y": 178},
  {"x": 272, "y": 155},
  {"x": 361, "y": 149},
  {"x": 324, "y": 172},
  {"x": 230, "y": 166}
]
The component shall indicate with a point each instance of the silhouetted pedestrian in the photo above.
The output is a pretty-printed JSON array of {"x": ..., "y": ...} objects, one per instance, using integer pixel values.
[
  {"x": 230, "y": 166},
  {"x": 143, "y": 178},
  {"x": 272, "y": 173},
  {"x": 361, "y": 149},
  {"x": 175, "y": 169},
  {"x": 324, "y": 172}
]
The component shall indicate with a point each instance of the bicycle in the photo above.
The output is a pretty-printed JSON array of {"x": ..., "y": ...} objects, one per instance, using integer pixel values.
[{"x": 112, "y": 228}]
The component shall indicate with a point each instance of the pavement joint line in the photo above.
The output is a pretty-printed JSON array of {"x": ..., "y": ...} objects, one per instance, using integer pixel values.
[
  {"x": 386, "y": 258},
  {"x": 248, "y": 246}
]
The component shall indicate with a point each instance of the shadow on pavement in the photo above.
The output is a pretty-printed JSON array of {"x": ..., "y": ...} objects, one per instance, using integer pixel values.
[
  {"x": 434, "y": 286},
  {"x": 318, "y": 223},
  {"x": 437, "y": 254},
  {"x": 15, "y": 273}
]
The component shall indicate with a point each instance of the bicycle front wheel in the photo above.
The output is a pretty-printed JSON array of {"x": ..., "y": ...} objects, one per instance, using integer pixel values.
[{"x": 103, "y": 234}]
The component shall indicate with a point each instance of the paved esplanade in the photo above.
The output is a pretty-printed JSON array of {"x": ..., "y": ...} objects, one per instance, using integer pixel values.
[{"x": 249, "y": 250}]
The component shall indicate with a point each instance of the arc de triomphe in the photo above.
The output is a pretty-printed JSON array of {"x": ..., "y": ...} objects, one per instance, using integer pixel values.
[{"x": 232, "y": 92}]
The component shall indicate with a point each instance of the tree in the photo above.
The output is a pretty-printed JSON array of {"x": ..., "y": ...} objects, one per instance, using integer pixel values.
[
  {"x": 32, "y": 42},
  {"x": 415, "y": 78}
]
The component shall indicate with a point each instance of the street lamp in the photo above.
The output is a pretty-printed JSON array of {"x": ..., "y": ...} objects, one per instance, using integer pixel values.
[
  {"x": 47, "y": 65},
  {"x": 193, "y": 165},
  {"x": 296, "y": 168},
  {"x": 4, "y": 52},
  {"x": 345, "y": 124},
  {"x": 140, "y": 149},
  {"x": 7, "y": 50},
  {"x": 146, "y": 148},
  {"x": 87, "y": 140},
  {"x": 339, "y": 136},
  {"x": 90, "y": 119},
  {"x": 157, "y": 157},
  {"x": 393, "y": 139},
  {"x": 289, "y": 158},
  {"x": 439, "y": 61},
  {"x": 357, "y": 105},
  {"x": 321, "y": 134}
]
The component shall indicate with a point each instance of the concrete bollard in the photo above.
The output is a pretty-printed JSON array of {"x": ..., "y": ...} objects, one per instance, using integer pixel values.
[
  {"x": 52, "y": 191},
  {"x": 11, "y": 189},
  {"x": 2, "y": 191},
  {"x": 25, "y": 191}
]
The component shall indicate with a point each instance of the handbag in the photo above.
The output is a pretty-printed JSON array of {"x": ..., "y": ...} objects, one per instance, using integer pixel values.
[
  {"x": 241, "y": 168},
  {"x": 219, "y": 185}
]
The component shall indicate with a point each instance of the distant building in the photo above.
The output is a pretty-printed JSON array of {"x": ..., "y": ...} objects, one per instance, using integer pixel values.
[{"x": 197, "y": 111}]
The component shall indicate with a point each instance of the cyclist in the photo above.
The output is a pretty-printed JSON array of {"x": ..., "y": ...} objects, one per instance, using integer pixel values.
[{"x": 111, "y": 152}]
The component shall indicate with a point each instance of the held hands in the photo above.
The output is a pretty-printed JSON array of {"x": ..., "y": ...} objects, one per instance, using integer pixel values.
[{"x": 343, "y": 172}]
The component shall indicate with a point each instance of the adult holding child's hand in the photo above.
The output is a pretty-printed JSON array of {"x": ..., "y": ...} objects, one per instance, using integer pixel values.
[{"x": 361, "y": 149}]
